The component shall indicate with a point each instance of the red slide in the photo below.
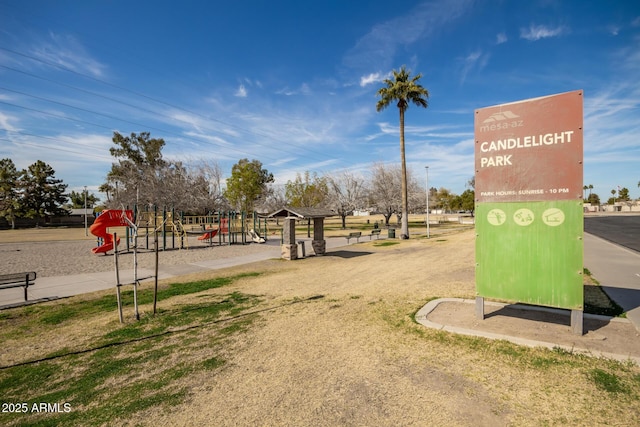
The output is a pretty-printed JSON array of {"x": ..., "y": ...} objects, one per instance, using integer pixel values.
[
  {"x": 108, "y": 218},
  {"x": 210, "y": 234}
]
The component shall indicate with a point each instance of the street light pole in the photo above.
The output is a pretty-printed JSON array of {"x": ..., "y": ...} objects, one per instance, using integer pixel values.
[
  {"x": 427, "y": 169},
  {"x": 86, "y": 233}
]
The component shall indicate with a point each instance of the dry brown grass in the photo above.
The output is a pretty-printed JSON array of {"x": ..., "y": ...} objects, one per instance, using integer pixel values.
[
  {"x": 43, "y": 234},
  {"x": 355, "y": 356}
]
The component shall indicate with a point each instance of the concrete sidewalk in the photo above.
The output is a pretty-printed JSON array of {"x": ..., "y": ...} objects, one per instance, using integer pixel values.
[
  {"x": 615, "y": 267},
  {"x": 618, "y": 271},
  {"x": 51, "y": 288}
]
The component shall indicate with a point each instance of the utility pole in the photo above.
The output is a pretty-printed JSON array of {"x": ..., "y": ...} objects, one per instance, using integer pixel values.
[
  {"x": 86, "y": 232},
  {"x": 427, "y": 169}
]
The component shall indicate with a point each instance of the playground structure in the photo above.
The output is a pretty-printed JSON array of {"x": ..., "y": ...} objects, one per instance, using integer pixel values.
[
  {"x": 101, "y": 225},
  {"x": 231, "y": 228},
  {"x": 219, "y": 228}
]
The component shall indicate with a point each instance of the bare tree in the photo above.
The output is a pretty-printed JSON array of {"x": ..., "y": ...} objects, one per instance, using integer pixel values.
[
  {"x": 275, "y": 199},
  {"x": 205, "y": 181},
  {"x": 385, "y": 189},
  {"x": 346, "y": 193}
]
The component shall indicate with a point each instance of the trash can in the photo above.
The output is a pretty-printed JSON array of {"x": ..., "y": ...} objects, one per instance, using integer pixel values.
[{"x": 392, "y": 233}]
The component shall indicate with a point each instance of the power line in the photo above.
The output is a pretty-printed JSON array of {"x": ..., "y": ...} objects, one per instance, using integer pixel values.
[
  {"x": 9, "y": 131},
  {"x": 51, "y": 64},
  {"x": 31, "y": 144},
  {"x": 125, "y": 120},
  {"x": 107, "y": 116}
]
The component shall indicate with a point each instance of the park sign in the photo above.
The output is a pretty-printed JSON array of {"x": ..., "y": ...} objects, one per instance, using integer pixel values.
[{"x": 529, "y": 211}]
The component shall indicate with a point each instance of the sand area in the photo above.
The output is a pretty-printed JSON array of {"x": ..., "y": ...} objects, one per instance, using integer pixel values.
[{"x": 68, "y": 257}]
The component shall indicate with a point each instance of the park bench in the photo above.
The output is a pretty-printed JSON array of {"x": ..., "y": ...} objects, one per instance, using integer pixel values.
[
  {"x": 355, "y": 235},
  {"x": 16, "y": 280},
  {"x": 375, "y": 232}
]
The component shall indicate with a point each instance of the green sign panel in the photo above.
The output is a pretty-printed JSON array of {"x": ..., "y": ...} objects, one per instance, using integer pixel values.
[
  {"x": 530, "y": 252},
  {"x": 529, "y": 212}
]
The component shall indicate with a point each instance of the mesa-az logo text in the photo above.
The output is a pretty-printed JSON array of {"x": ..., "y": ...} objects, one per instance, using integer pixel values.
[{"x": 500, "y": 121}]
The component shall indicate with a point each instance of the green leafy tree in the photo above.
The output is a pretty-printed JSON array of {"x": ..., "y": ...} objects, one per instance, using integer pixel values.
[
  {"x": 403, "y": 90},
  {"x": 9, "y": 191},
  {"x": 456, "y": 202},
  {"x": 468, "y": 200},
  {"x": 77, "y": 200},
  {"x": 308, "y": 191},
  {"x": 43, "y": 194},
  {"x": 594, "y": 199},
  {"x": 445, "y": 199},
  {"x": 137, "y": 175},
  {"x": 247, "y": 184},
  {"x": 623, "y": 194}
]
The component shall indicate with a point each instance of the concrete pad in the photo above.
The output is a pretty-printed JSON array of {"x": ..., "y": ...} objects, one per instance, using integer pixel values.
[{"x": 532, "y": 326}]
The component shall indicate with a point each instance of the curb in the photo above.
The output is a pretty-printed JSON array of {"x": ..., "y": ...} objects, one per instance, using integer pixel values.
[{"x": 422, "y": 318}]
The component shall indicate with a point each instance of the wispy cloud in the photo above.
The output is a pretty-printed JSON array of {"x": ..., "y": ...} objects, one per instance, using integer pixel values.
[
  {"x": 65, "y": 51},
  {"x": 614, "y": 30},
  {"x": 537, "y": 32},
  {"x": 201, "y": 124},
  {"x": 501, "y": 38},
  {"x": 453, "y": 161},
  {"x": 5, "y": 122},
  {"x": 241, "y": 92},
  {"x": 212, "y": 139},
  {"x": 439, "y": 132},
  {"x": 378, "y": 47},
  {"x": 475, "y": 60},
  {"x": 304, "y": 89},
  {"x": 371, "y": 78}
]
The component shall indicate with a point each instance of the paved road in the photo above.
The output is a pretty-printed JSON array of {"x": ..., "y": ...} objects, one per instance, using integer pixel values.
[
  {"x": 615, "y": 262},
  {"x": 622, "y": 229}
]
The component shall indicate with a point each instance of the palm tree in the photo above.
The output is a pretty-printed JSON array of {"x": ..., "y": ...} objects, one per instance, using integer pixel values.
[{"x": 405, "y": 90}]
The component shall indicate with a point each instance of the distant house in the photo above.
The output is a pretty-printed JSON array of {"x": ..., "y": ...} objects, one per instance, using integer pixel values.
[
  {"x": 627, "y": 206},
  {"x": 75, "y": 217},
  {"x": 81, "y": 212}
]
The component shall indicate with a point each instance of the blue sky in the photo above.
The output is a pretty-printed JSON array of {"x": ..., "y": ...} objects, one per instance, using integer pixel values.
[{"x": 293, "y": 83}]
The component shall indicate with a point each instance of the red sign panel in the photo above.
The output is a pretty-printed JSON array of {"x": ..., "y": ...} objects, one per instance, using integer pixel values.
[{"x": 530, "y": 150}]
